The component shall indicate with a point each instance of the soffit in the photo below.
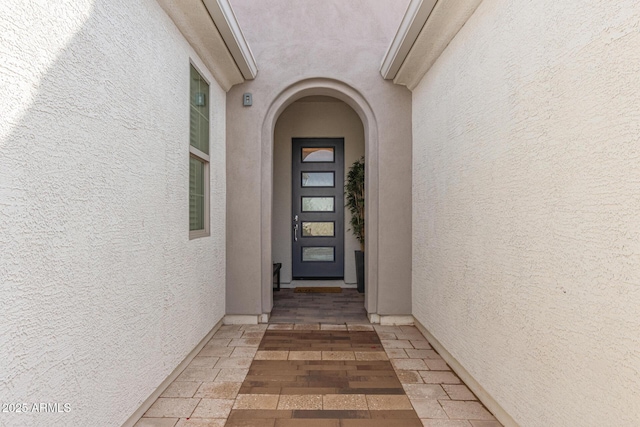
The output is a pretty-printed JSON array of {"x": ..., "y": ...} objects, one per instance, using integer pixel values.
[
  {"x": 213, "y": 32},
  {"x": 426, "y": 30}
]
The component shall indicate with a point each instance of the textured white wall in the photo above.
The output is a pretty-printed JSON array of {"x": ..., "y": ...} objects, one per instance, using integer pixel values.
[
  {"x": 307, "y": 120},
  {"x": 526, "y": 169},
  {"x": 103, "y": 295}
]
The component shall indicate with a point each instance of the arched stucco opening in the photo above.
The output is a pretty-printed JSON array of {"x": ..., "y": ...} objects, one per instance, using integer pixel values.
[
  {"x": 345, "y": 93},
  {"x": 310, "y": 120}
]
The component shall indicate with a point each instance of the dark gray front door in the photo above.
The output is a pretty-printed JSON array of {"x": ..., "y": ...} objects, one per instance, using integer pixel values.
[{"x": 318, "y": 208}]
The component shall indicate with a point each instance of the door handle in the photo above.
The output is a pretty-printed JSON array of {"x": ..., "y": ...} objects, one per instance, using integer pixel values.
[{"x": 295, "y": 233}]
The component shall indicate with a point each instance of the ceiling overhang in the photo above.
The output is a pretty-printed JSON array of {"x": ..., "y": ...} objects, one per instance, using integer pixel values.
[
  {"x": 227, "y": 24},
  {"x": 425, "y": 31},
  {"x": 211, "y": 28}
]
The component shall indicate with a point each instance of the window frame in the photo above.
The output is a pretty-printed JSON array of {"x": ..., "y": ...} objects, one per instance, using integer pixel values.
[{"x": 205, "y": 159}]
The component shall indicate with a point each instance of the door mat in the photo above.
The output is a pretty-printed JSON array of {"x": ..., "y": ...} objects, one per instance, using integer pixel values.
[{"x": 317, "y": 290}]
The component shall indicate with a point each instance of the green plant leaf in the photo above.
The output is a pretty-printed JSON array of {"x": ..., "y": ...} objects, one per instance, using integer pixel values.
[{"x": 354, "y": 191}]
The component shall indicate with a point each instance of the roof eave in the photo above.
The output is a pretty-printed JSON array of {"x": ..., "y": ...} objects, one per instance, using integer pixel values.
[
  {"x": 226, "y": 22},
  {"x": 212, "y": 30},
  {"x": 425, "y": 32}
]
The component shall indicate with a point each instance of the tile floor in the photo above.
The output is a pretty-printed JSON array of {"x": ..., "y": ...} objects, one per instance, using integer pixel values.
[
  {"x": 347, "y": 306},
  {"x": 317, "y": 375}
]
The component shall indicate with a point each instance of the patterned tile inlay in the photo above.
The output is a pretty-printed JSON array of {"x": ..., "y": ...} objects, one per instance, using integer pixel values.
[
  {"x": 318, "y": 375},
  {"x": 324, "y": 375}
]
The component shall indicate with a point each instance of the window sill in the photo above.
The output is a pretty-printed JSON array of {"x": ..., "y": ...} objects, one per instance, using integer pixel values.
[{"x": 196, "y": 234}]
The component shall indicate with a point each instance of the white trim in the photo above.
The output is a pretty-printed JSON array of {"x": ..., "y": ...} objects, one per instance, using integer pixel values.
[
  {"x": 197, "y": 153},
  {"x": 194, "y": 21},
  {"x": 390, "y": 319},
  {"x": 197, "y": 234},
  {"x": 205, "y": 159},
  {"x": 246, "y": 319},
  {"x": 488, "y": 401},
  {"x": 425, "y": 32},
  {"x": 373, "y": 318},
  {"x": 206, "y": 231},
  {"x": 135, "y": 417},
  {"x": 393, "y": 319},
  {"x": 242, "y": 319},
  {"x": 227, "y": 24},
  {"x": 414, "y": 19}
]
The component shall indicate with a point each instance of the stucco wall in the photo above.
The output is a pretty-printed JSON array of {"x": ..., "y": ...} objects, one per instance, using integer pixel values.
[
  {"x": 311, "y": 119},
  {"x": 103, "y": 295},
  {"x": 322, "y": 39},
  {"x": 526, "y": 169}
]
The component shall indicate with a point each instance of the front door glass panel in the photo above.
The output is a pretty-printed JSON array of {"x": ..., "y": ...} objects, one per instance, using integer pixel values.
[
  {"x": 318, "y": 204},
  {"x": 318, "y": 254},
  {"x": 317, "y": 154},
  {"x": 318, "y": 229},
  {"x": 318, "y": 179}
]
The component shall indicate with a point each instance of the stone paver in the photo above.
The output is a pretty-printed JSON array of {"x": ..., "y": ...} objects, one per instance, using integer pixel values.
[
  {"x": 156, "y": 422},
  {"x": 213, "y": 408},
  {"x": 172, "y": 407},
  {"x": 318, "y": 375},
  {"x": 439, "y": 377},
  {"x": 218, "y": 390},
  {"x": 466, "y": 410},
  {"x": 428, "y": 409},
  {"x": 181, "y": 389},
  {"x": 458, "y": 392}
]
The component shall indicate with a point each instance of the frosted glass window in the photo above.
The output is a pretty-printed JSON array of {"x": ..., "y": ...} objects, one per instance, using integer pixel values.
[
  {"x": 318, "y": 254},
  {"x": 317, "y": 179},
  {"x": 317, "y": 204},
  {"x": 315, "y": 155},
  {"x": 318, "y": 229}
]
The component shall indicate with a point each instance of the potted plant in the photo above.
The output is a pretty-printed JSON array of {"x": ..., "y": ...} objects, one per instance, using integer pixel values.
[{"x": 354, "y": 191}]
